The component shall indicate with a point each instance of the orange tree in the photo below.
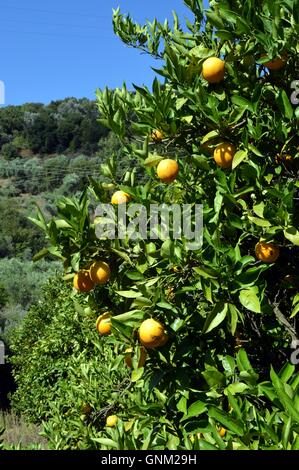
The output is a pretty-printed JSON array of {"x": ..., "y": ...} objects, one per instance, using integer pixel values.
[{"x": 223, "y": 123}]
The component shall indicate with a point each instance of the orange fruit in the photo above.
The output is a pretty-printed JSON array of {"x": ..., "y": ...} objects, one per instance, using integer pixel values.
[
  {"x": 267, "y": 252},
  {"x": 111, "y": 421},
  {"x": 213, "y": 70},
  {"x": 120, "y": 197},
  {"x": 128, "y": 357},
  {"x": 222, "y": 432},
  {"x": 157, "y": 135},
  {"x": 275, "y": 64},
  {"x": 152, "y": 334},
  {"x": 224, "y": 154},
  {"x": 82, "y": 281},
  {"x": 103, "y": 324},
  {"x": 99, "y": 272},
  {"x": 167, "y": 170}
]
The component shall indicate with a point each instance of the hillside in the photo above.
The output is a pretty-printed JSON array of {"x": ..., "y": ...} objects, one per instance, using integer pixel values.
[{"x": 47, "y": 151}]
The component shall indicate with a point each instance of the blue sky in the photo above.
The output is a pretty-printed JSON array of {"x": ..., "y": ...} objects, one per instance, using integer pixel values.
[{"x": 59, "y": 48}]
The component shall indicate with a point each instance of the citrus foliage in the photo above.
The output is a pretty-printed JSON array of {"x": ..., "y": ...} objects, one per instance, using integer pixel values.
[
  {"x": 221, "y": 299},
  {"x": 65, "y": 376}
]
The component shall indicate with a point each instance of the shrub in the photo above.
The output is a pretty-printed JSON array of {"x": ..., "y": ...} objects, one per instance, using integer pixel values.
[{"x": 61, "y": 367}]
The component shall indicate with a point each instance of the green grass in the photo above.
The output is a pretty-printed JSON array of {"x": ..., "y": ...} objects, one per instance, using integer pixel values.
[{"x": 19, "y": 434}]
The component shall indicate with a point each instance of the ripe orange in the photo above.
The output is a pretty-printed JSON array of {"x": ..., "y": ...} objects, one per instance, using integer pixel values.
[
  {"x": 275, "y": 64},
  {"x": 120, "y": 197},
  {"x": 222, "y": 432},
  {"x": 111, "y": 421},
  {"x": 152, "y": 334},
  {"x": 157, "y": 135},
  {"x": 213, "y": 70},
  {"x": 128, "y": 357},
  {"x": 224, "y": 154},
  {"x": 103, "y": 324},
  {"x": 99, "y": 272},
  {"x": 267, "y": 252},
  {"x": 82, "y": 281},
  {"x": 167, "y": 170}
]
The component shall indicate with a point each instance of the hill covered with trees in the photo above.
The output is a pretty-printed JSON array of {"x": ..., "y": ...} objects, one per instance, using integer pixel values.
[{"x": 69, "y": 125}]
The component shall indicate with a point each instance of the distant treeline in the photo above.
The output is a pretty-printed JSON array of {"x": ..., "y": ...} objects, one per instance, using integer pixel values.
[{"x": 69, "y": 125}]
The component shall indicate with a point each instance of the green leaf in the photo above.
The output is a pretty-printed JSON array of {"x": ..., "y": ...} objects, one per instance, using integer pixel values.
[
  {"x": 105, "y": 442},
  {"x": 259, "y": 222},
  {"x": 182, "y": 405},
  {"x": 295, "y": 299},
  {"x": 167, "y": 249},
  {"x": 137, "y": 374},
  {"x": 129, "y": 318},
  {"x": 211, "y": 135},
  {"x": 233, "y": 315},
  {"x": 285, "y": 105},
  {"x": 283, "y": 396},
  {"x": 292, "y": 234},
  {"x": 226, "y": 420},
  {"x": 122, "y": 254},
  {"x": 206, "y": 272},
  {"x": 213, "y": 377},
  {"x": 255, "y": 150},
  {"x": 242, "y": 102},
  {"x": 250, "y": 300},
  {"x": 234, "y": 404},
  {"x": 129, "y": 294},
  {"x": 214, "y": 19},
  {"x": 258, "y": 209},
  {"x": 215, "y": 317},
  {"x": 294, "y": 311},
  {"x": 204, "y": 445},
  {"x": 180, "y": 103},
  {"x": 196, "y": 409},
  {"x": 41, "y": 254},
  {"x": 286, "y": 372},
  {"x": 152, "y": 160},
  {"x": 243, "y": 361},
  {"x": 142, "y": 302},
  {"x": 239, "y": 157},
  {"x": 236, "y": 387},
  {"x": 135, "y": 276}
]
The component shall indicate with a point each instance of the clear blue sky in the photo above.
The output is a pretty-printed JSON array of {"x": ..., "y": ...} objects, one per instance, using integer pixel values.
[{"x": 59, "y": 48}]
